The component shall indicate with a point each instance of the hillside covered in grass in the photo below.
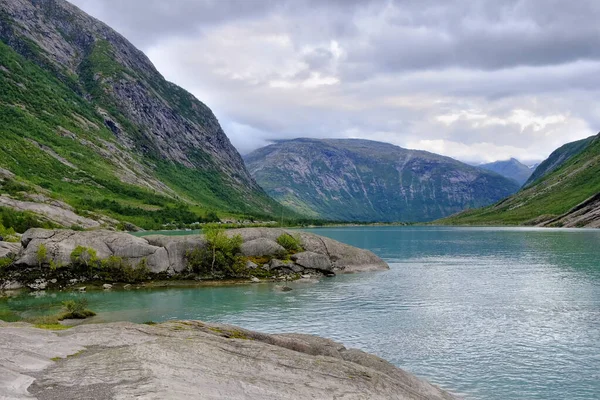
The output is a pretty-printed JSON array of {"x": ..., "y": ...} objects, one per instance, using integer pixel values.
[
  {"x": 567, "y": 195},
  {"x": 90, "y": 129}
]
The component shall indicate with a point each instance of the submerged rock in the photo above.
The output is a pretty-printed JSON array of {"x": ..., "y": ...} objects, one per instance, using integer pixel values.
[{"x": 194, "y": 360}]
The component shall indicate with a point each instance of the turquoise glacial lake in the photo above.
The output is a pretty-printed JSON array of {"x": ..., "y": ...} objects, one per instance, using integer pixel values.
[{"x": 488, "y": 313}]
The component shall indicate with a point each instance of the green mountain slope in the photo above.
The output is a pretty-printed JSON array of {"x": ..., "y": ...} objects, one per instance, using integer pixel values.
[
  {"x": 559, "y": 157},
  {"x": 565, "y": 196},
  {"x": 362, "y": 180},
  {"x": 88, "y": 125},
  {"x": 512, "y": 169}
]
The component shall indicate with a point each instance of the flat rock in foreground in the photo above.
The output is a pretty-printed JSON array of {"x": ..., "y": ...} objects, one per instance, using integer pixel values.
[{"x": 193, "y": 360}]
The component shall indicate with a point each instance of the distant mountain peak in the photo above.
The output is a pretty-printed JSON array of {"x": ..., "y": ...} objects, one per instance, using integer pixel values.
[{"x": 365, "y": 180}]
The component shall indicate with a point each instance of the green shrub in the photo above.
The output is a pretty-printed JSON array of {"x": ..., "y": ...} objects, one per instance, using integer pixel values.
[
  {"x": 41, "y": 254},
  {"x": 220, "y": 256},
  {"x": 76, "y": 309},
  {"x": 5, "y": 262},
  {"x": 291, "y": 243},
  {"x": 84, "y": 256}
]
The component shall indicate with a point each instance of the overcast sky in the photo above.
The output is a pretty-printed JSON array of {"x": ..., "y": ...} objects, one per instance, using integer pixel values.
[{"x": 474, "y": 80}]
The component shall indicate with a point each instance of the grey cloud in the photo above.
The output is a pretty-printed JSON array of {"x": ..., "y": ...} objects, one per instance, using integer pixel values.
[{"x": 269, "y": 71}]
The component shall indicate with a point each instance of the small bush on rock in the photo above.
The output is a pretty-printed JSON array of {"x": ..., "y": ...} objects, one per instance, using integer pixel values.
[
  {"x": 84, "y": 256},
  {"x": 291, "y": 243},
  {"x": 76, "y": 309},
  {"x": 220, "y": 256},
  {"x": 41, "y": 254}
]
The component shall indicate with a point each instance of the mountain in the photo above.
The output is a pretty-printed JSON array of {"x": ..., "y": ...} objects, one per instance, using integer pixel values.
[
  {"x": 511, "y": 169},
  {"x": 362, "y": 180},
  {"x": 558, "y": 158},
  {"x": 566, "y": 192},
  {"x": 89, "y": 126}
]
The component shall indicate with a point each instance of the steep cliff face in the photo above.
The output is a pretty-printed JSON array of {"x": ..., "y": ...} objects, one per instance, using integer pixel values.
[
  {"x": 511, "y": 169},
  {"x": 78, "y": 93},
  {"x": 566, "y": 193},
  {"x": 371, "y": 181}
]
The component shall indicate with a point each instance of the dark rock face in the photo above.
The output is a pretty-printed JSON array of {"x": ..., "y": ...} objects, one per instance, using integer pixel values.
[{"x": 361, "y": 180}]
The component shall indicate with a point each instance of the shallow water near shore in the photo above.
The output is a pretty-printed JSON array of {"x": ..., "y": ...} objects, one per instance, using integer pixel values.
[{"x": 488, "y": 313}]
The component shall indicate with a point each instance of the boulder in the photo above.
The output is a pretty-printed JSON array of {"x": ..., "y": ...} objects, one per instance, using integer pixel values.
[
  {"x": 310, "y": 260},
  {"x": 261, "y": 247},
  {"x": 107, "y": 286},
  {"x": 251, "y": 265},
  {"x": 177, "y": 248},
  {"x": 8, "y": 249},
  {"x": 61, "y": 243}
]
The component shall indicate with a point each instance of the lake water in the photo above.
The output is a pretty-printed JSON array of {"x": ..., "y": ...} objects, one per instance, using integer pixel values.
[{"x": 492, "y": 314}]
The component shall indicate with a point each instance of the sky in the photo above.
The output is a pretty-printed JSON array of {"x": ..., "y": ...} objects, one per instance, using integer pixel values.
[{"x": 475, "y": 80}]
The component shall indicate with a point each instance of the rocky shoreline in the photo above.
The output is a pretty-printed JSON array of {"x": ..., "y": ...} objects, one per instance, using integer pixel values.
[
  {"x": 57, "y": 259},
  {"x": 193, "y": 360}
]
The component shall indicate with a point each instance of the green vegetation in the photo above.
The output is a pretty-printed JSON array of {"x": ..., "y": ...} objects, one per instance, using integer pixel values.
[
  {"x": 54, "y": 141},
  {"x": 84, "y": 256},
  {"x": 290, "y": 243},
  {"x": 549, "y": 197},
  {"x": 76, "y": 309},
  {"x": 12, "y": 221},
  {"x": 41, "y": 254},
  {"x": 85, "y": 261},
  {"x": 220, "y": 256}
]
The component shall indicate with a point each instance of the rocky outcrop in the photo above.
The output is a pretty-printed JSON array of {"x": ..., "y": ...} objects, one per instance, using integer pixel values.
[
  {"x": 60, "y": 244},
  {"x": 344, "y": 258},
  {"x": 54, "y": 212},
  {"x": 193, "y": 360},
  {"x": 42, "y": 248}
]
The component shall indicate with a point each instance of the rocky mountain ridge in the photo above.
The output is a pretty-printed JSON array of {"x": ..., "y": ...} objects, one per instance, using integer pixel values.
[
  {"x": 362, "y": 180},
  {"x": 86, "y": 115}
]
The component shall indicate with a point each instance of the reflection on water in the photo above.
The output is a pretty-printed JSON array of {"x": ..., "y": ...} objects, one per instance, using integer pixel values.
[{"x": 490, "y": 313}]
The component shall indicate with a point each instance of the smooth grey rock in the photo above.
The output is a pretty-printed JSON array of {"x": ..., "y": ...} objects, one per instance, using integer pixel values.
[
  {"x": 193, "y": 360},
  {"x": 82, "y": 289},
  {"x": 11, "y": 285},
  {"x": 8, "y": 249},
  {"x": 308, "y": 259},
  {"x": 61, "y": 243},
  {"x": 277, "y": 264},
  {"x": 254, "y": 279},
  {"x": 177, "y": 248},
  {"x": 251, "y": 265},
  {"x": 261, "y": 247},
  {"x": 107, "y": 286}
]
